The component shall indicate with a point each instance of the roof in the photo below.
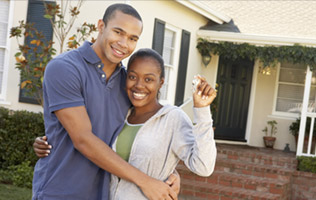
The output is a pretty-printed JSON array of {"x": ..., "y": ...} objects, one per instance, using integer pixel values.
[
  {"x": 203, "y": 9},
  {"x": 295, "y": 19}
]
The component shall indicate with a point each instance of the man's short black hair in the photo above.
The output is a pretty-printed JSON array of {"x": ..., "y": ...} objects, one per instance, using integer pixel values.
[{"x": 124, "y": 8}]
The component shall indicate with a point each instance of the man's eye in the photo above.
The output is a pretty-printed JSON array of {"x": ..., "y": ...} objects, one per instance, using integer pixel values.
[
  {"x": 134, "y": 39},
  {"x": 148, "y": 79}
]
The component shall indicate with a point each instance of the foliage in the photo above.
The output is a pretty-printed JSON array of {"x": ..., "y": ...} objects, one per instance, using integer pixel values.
[
  {"x": 32, "y": 65},
  {"x": 306, "y": 164},
  {"x": 273, "y": 128},
  {"x": 17, "y": 132},
  {"x": 10, "y": 192},
  {"x": 268, "y": 55},
  {"x": 22, "y": 174},
  {"x": 295, "y": 127}
]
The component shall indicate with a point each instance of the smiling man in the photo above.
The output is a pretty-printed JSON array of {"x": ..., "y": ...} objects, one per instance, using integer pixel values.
[{"x": 85, "y": 105}]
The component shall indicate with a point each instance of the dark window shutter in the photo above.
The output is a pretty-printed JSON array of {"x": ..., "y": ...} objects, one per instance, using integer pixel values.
[
  {"x": 159, "y": 34},
  {"x": 35, "y": 13},
  {"x": 183, "y": 65}
]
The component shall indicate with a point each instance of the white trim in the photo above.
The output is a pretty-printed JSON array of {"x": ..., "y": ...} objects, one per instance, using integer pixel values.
[
  {"x": 254, "y": 39},
  {"x": 7, "y": 103},
  {"x": 251, "y": 104},
  {"x": 205, "y": 10},
  {"x": 6, "y": 63},
  {"x": 304, "y": 113},
  {"x": 173, "y": 73}
]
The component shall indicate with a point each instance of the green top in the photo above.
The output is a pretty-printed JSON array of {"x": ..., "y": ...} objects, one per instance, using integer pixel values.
[{"x": 125, "y": 140}]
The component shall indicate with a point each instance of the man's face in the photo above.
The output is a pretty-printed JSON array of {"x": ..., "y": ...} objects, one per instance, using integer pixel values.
[{"x": 118, "y": 38}]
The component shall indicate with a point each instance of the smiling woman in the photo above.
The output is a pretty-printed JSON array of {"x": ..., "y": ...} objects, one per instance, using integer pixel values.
[{"x": 156, "y": 137}]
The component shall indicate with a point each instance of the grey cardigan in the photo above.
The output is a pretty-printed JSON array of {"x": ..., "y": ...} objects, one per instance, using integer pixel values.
[{"x": 162, "y": 141}]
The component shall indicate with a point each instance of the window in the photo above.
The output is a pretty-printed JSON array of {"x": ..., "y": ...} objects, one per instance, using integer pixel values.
[
  {"x": 174, "y": 49},
  {"x": 168, "y": 55},
  {"x": 35, "y": 13},
  {"x": 291, "y": 89},
  {"x": 4, "y": 31}
]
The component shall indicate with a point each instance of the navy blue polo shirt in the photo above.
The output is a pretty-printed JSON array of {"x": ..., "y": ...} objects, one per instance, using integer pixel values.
[{"x": 72, "y": 79}]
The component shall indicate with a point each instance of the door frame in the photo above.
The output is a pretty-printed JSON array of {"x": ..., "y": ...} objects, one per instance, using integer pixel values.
[{"x": 251, "y": 102}]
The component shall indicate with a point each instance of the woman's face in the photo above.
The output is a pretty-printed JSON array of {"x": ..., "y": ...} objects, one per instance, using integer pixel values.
[{"x": 143, "y": 82}]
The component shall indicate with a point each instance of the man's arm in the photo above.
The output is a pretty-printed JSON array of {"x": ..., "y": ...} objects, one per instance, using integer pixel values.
[
  {"x": 42, "y": 149},
  {"x": 77, "y": 123}
]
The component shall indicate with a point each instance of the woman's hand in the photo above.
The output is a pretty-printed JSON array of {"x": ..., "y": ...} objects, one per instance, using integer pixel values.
[
  {"x": 41, "y": 147},
  {"x": 204, "y": 93}
]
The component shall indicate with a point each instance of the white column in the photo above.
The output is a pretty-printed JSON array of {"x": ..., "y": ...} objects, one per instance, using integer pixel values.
[{"x": 301, "y": 135}]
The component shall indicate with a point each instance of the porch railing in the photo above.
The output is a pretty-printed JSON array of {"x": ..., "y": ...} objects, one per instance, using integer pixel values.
[{"x": 302, "y": 150}]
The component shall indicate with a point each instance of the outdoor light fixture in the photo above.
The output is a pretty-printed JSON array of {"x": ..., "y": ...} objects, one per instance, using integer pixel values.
[{"x": 206, "y": 59}]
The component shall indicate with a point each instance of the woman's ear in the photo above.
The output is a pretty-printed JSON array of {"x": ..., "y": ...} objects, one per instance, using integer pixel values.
[{"x": 162, "y": 80}]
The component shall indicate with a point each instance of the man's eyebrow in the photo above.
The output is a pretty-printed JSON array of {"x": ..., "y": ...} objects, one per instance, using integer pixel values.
[{"x": 122, "y": 30}]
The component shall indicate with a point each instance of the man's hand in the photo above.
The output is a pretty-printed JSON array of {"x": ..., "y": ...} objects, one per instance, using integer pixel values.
[
  {"x": 41, "y": 147},
  {"x": 174, "y": 182},
  {"x": 158, "y": 190}
]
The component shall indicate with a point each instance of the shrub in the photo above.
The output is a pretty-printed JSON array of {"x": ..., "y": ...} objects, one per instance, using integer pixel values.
[
  {"x": 18, "y": 130},
  {"x": 22, "y": 175},
  {"x": 306, "y": 164}
]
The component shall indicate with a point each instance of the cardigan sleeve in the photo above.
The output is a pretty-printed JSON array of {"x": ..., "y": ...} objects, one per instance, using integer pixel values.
[{"x": 195, "y": 144}]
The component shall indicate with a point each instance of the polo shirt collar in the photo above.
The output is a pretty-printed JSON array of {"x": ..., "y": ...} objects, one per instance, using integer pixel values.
[{"x": 90, "y": 56}]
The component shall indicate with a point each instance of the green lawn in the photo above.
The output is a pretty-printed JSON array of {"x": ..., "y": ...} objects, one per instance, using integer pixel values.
[{"x": 10, "y": 192}]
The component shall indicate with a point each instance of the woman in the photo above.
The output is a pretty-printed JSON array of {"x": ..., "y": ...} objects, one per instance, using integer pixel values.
[{"x": 156, "y": 137}]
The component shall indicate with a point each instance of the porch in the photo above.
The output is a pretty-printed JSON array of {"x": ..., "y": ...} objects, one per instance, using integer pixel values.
[{"x": 244, "y": 172}]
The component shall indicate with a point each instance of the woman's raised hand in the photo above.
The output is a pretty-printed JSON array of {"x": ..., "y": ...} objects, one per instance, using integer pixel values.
[{"x": 204, "y": 93}]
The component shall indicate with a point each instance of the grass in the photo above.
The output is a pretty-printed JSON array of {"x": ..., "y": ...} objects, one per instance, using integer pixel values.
[{"x": 10, "y": 192}]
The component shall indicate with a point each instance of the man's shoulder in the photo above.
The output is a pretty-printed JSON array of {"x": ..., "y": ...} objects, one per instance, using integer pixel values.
[{"x": 70, "y": 60}]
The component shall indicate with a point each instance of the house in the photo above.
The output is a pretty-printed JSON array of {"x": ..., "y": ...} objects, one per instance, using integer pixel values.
[
  {"x": 272, "y": 93},
  {"x": 253, "y": 94}
]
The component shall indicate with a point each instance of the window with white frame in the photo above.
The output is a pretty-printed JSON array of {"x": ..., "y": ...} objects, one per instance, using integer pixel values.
[
  {"x": 173, "y": 44},
  {"x": 4, "y": 21},
  {"x": 169, "y": 55},
  {"x": 291, "y": 85}
]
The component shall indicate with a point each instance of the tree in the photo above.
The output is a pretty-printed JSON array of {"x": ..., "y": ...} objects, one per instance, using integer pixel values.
[{"x": 31, "y": 59}]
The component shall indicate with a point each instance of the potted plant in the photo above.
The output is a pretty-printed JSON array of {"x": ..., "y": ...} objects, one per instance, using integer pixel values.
[{"x": 269, "y": 138}]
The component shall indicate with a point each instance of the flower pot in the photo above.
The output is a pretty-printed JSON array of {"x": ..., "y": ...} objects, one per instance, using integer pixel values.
[{"x": 269, "y": 141}]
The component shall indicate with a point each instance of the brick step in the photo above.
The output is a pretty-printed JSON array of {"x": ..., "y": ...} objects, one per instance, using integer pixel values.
[
  {"x": 263, "y": 171},
  {"x": 268, "y": 185},
  {"x": 257, "y": 155},
  {"x": 200, "y": 191}
]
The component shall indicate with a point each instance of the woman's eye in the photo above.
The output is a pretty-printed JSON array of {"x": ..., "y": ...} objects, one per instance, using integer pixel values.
[
  {"x": 131, "y": 77},
  {"x": 148, "y": 79}
]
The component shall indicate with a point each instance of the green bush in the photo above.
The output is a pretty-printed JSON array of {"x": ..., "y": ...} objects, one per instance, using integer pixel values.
[
  {"x": 22, "y": 175},
  {"x": 306, "y": 164},
  {"x": 18, "y": 130}
]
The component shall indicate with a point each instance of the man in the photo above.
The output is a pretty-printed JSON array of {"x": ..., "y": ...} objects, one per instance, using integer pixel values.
[{"x": 85, "y": 105}]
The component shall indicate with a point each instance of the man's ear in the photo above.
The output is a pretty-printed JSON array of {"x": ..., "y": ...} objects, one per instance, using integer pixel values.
[{"x": 100, "y": 25}]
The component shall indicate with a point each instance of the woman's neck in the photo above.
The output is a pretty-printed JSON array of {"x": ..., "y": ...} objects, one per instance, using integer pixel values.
[{"x": 141, "y": 115}]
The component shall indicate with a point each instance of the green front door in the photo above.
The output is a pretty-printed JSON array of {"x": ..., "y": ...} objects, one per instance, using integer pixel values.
[{"x": 234, "y": 83}]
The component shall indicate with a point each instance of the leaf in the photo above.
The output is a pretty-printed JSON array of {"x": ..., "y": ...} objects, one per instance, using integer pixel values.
[
  {"x": 33, "y": 42},
  {"x": 17, "y": 54},
  {"x": 23, "y": 84},
  {"x": 47, "y": 16}
]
